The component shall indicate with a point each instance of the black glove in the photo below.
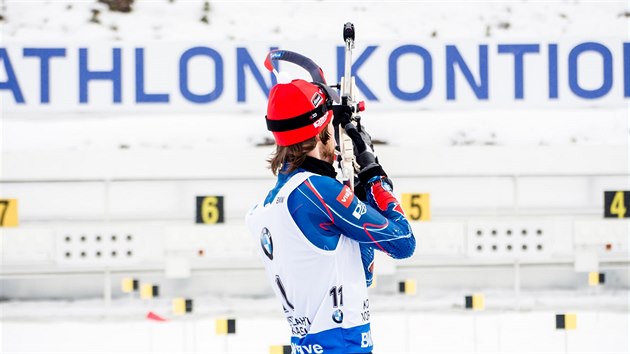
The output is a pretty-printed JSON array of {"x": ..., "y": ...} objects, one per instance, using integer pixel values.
[{"x": 362, "y": 142}]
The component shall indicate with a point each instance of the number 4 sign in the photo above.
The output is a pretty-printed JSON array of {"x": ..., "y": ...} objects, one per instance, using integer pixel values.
[
  {"x": 616, "y": 204},
  {"x": 416, "y": 206}
]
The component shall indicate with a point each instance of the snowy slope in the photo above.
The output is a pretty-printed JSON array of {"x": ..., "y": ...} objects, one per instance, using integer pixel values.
[{"x": 42, "y": 20}]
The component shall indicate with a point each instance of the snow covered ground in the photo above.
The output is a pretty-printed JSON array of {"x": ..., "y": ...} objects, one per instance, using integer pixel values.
[
  {"x": 433, "y": 322},
  {"x": 410, "y": 130},
  {"x": 125, "y": 307}
]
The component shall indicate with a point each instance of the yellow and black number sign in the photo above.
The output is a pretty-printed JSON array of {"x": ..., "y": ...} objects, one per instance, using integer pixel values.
[
  {"x": 8, "y": 212},
  {"x": 616, "y": 204},
  {"x": 209, "y": 210},
  {"x": 416, "y": 206}
]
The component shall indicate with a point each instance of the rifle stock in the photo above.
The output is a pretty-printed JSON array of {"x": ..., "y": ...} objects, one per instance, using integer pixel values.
[{"x": 347, "y": 98}]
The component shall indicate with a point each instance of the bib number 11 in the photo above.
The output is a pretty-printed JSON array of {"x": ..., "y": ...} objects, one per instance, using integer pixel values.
[{"x": 337, "y": 295}]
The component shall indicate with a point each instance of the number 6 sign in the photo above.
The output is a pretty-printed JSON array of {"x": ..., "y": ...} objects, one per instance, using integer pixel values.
[{"x": 209, "y": 210}]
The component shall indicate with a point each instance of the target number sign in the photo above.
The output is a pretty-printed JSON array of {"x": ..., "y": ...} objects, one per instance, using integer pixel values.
[
  {"x": 617, "y": 204},
  {"x": 416, "y": 206},
  {"x": 8, "y": 212},
  {"x": 209, "y": 210}
]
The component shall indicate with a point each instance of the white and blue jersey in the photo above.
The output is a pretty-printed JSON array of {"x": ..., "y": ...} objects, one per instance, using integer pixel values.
[{"x": 317, "y": 241}]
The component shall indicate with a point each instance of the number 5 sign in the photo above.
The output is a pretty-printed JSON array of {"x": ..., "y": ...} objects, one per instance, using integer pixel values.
[
  {"x": 8, "y": 212},
  {"x": 209, "y": 210},
  {"x": 416, "y": 206}
]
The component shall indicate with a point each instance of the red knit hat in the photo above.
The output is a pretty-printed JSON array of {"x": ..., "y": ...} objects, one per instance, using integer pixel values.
[{"x": 297, "y": 111}]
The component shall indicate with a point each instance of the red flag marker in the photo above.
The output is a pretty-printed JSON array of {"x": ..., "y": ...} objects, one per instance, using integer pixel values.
[{"x": 155, "y": 317}]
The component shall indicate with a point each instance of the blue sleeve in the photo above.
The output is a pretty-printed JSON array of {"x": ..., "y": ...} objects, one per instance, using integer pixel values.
[
  {"x": 367, "y": 258},
  {"x": 329, "y": 208}
]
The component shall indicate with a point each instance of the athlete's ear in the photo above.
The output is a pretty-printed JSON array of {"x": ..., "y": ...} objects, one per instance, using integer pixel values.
[{"x": 317, "y": 138}]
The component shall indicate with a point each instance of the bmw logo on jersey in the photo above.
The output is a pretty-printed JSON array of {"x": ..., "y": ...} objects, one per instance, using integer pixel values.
[
  {"x": 337, "y": 316},
  {"x": 266, "y": 242}
]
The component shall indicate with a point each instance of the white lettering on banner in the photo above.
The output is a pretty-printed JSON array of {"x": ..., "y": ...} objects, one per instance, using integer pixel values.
[
  {"x": 176, "y": 76},
  {"x": 307, "y": 349}
]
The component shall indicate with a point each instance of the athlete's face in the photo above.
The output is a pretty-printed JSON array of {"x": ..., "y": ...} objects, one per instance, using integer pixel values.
[{"x": 327, "y": 150}]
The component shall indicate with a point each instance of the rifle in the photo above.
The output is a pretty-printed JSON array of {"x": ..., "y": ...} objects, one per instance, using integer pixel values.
[
  {"x": 346, "y": 158},
  {"x": 347, "y": 86}
]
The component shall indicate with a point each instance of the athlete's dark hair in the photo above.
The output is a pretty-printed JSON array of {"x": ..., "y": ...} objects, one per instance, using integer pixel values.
[{"x": 293, "y": 155}]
